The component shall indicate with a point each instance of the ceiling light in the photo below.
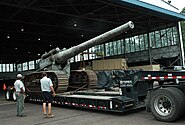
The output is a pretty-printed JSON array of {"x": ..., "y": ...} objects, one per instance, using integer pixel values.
[
  {"x": 39, "y": 54},
  {"x": 28, "y": 52},
  {"x": 22, "y": 29},
  {"x": 39, "y": 38},
  {"x": 75, "y": 24},
  {"x": 16, "y": 48},
  {"x": 50, "y": 45},
  {"x": 8, "y": 36}
]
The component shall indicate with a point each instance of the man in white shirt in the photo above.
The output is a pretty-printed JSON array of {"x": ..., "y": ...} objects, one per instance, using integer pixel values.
[
  {"x": 20, "y": 93},
  {"x": 48, "y": 92}
]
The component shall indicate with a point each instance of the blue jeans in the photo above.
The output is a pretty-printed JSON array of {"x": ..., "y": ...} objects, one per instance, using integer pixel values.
[{"x": 20, "y": 103}]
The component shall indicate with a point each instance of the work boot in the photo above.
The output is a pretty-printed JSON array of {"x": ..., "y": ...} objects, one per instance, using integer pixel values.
[{"x": 22, "y": 115}]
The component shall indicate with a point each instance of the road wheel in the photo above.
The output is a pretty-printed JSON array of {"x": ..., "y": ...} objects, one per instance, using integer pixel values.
[{"x": 166, "y": 104}]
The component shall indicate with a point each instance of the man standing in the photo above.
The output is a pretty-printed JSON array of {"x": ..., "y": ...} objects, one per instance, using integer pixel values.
[
  {"x": 20, "y": 95},
  {"x": 48, "y": 92}
]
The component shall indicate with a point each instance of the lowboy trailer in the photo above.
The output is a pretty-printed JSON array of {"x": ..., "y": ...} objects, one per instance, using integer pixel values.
[{"x": 161, "y": 92}]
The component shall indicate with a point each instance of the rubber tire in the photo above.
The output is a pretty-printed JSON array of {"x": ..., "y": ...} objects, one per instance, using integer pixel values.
[
  {"x": 147, "y": 100},
  {"x": 14, "y": 96},
  {"x": 182, "y": 99},
  {"x": 27, "y": 99},
  {"x": 177, "y": 101},
  {"x": 8, "y": 95}
]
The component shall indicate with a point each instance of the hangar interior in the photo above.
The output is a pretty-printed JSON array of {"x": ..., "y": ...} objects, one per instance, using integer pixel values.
[{"x": 30, "y": 28}]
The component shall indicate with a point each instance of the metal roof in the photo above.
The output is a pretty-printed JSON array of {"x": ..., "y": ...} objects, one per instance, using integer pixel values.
[{"x": 152, "y": 9}]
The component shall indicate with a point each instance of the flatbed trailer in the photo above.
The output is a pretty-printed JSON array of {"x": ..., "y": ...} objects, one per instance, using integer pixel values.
[{"x": 161, "y": 92}]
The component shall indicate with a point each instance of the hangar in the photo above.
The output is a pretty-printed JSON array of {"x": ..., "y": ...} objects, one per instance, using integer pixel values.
[{"x": 32, "y": 27}]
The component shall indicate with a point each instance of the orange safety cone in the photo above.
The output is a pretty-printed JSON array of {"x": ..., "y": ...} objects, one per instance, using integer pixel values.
[{"x": 4, "y": 86}]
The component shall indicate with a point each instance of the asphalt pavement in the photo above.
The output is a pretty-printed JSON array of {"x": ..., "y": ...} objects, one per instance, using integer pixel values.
[{"x": 74, "y": 116}]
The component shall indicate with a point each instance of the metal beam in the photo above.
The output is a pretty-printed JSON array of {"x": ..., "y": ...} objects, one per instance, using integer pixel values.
[
  {"x": 58, "y": 13},
  {"x": 24, "y": 7}
]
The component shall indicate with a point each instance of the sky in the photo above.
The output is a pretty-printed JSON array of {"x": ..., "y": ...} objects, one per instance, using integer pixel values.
[{"x": 180, "y": 4}]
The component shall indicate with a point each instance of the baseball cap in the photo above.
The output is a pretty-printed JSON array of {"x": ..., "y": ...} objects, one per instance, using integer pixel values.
[{"x": 19, "y": 76}]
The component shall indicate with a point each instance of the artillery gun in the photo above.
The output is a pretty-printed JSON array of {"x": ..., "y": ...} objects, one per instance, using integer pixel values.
[{"x": 58, "y": 69}]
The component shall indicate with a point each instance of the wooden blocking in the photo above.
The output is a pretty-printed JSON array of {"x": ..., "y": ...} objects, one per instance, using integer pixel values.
[
  {"x": 109, "y": 64},
  {"x": 155, "y": 67}
]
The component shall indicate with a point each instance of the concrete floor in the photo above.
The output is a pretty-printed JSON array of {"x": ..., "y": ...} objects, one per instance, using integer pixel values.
[{"x": 74, "y": 116}]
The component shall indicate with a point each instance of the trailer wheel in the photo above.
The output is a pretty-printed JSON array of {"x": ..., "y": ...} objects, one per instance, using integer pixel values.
[
  {"x": 8, "y": 95},
  {"x": 14, "y": 96},
  {"x": 167, "y": 104},
  {"x": 27, "y": 98}
]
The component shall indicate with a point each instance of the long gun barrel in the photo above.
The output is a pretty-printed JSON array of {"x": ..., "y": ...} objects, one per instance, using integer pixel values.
[{"x": 63, "y": 56}]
